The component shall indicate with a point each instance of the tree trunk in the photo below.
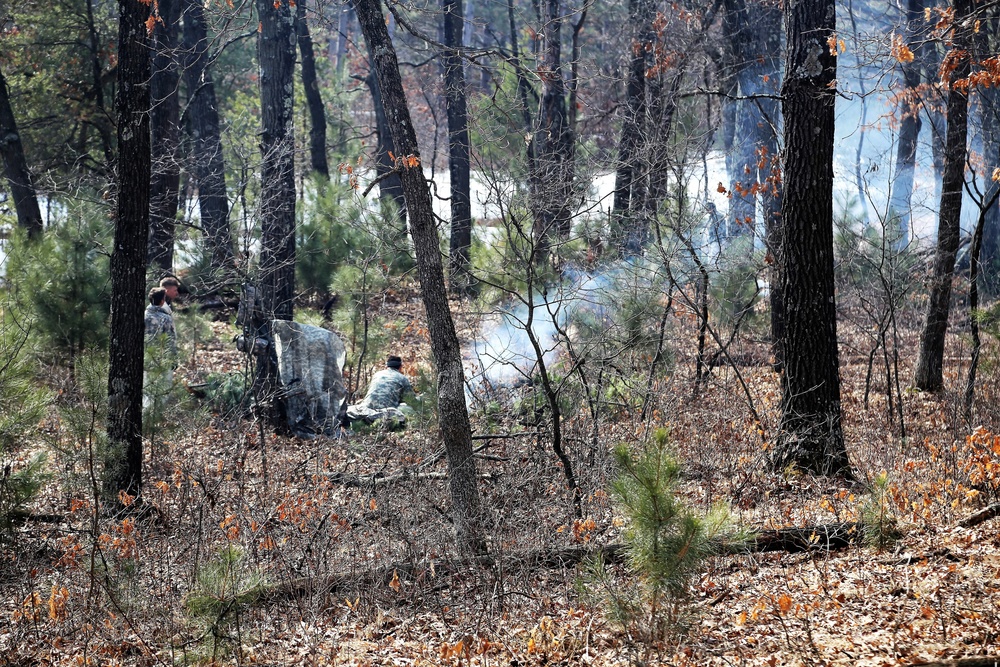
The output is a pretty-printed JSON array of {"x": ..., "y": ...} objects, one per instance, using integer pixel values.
[
  {"x": 629, "y": 177},
  {"x": 389, "y": 187},
  {"x": 453, "y": 416},
  {"x": 123, "y": 464},
  {"x": 458, "y": 148},
  {"x": 29, "y": 216},
  {"x": 164, "y": 119},
  {"x": 928, "y": 375},
  {"x": 810, "y": 434},
  {"x": 208, "y": 166},
  {"x": 554, "y": 139},
  {"x": 909, "y": 131},
  {"x": 317, "y": 114},
  {"x": 276, "y": 54}
]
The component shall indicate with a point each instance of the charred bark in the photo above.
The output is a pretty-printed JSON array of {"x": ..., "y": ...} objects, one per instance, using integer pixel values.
[
  {"x": 453, "y": 416},
  {"x": 22, "y": 189},
  {"x": 317, "y": 114},
  {"x": 928, "y": 374},
  {"x": 208, "y": 163},
  {"x": 123, "y": 464},
  {"x": 810, "y": 433},
  {"x": 164, "y": 119}
]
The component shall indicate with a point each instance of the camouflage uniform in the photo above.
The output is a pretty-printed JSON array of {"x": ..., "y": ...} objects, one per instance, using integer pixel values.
[
  {"x": 159, "y": 322},
  {"x": 383, "y": 400},
  {"x": 158, "y": 377},
  {"x": 387, "y": 390}
]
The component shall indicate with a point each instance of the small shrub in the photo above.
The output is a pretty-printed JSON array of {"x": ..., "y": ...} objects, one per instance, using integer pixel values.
[
  {"x": 665, "y": 542},
  {"x": 877, "y": 516}
]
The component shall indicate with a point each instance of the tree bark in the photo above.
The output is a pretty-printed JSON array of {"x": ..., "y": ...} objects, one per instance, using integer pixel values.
[
  {"x": 554, "y": 141},
  {"x": 453, "y": 416},
  {"x": 630, "y": 179},
  {"x": 458, "y": 148},
  {"x": 276, "y": 54},
  {"x": 928, "y": 374},
  {"x": 390, "y": 188},
  {"x": 164, "y": 119},
  {"x": 123, "y": 463},
  {"x": 29, "y": 216},
  {"x": 317, "y": 114},
  {"x": 208, "y": 163},
  {"x": 909, "y": 130},
  {"x": 810, "y": 434}
]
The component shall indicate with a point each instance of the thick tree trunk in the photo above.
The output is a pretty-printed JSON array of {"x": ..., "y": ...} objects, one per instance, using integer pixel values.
[
  {"x": 458, "y": 148},
  {"x": 630, "y": 179},
  {"x": 276, "y": 54},
  {"x": 164, "y": 119},
  {"x": 208, "y": 164},
  {"x": 317, "y": 114},
  {"x": 810, "y": 434},
  {"x": 453, "y": 416},
  {"x": 123, "y": 464},
  {"x": 928, "y": 374},
  {"x": 909, "y": 131},
  {"x": 554, "y": 140},
  {"x": 29, "y": 216}
]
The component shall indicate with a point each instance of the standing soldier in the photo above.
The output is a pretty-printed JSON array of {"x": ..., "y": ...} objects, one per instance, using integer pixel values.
[{"x": 161, "y": 349}]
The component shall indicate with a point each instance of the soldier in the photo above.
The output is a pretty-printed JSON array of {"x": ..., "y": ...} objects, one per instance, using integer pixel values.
[
  {"x": 171, "y": 286},
  {"x": 161, "y": 349},
  {"x": 385, "y": 396}
]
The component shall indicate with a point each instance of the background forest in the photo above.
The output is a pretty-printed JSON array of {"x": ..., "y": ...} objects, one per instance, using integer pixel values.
[{"x": 698, "y": 299}]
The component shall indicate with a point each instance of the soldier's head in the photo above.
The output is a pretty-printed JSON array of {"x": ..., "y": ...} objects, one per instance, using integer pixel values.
[
  {"x": 394, "y": 362},
  {"x": 171, "y": 285},
  {"x": 157, "y": 296}
]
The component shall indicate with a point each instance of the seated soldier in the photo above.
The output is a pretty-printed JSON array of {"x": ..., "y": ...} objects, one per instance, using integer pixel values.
[{"x": 384, "y": 399}]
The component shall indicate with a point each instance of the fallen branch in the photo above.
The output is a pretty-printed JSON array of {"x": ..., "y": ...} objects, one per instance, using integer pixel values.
[
  {"x": 378, "y": 479},
  {"x": 825, "y": 537},
  {"x": 981, "y": 516},
  {"x": 977, "y": 661}
]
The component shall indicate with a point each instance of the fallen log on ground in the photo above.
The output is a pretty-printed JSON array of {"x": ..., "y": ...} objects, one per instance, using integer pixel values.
[{"x": 981, "y": 516}]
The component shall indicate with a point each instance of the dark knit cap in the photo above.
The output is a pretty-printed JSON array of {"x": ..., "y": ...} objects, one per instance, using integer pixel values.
[{"x": 394, "y": 362}]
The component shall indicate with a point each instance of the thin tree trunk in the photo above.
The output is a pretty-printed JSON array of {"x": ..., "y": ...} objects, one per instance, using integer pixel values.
[
  {"x": 458, "y": 148},
  {"x": 165, "y": 128},
  {"x": 317, "y": 114},
  {"x": 928, "y": 375},
  {"x": 208, "y": 164},
  {"x": 389, "y": 187},
  {"x": 453, "y": 415},
  {"x": 29, "y": 216},
  {"x": 810, "y": 432},
  {"x": 123, "y": 464}
]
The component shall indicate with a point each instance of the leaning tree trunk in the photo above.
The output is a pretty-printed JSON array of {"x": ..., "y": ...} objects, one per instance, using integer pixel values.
[
  {"x": 317, "y": 115},
  {"x": 123, "y": 462},
  {"x": 209, "y": 167},
  {"x": 810, "y": 434},
  {"x": 928, "y": 375},
  {"x": 165, "y": 128},
  {"x": 29, "y": 216},
  {"x": 458, "y": 148},
  {"x": 909, "y": 128},
  {"x": 276, "y": 53},
  {"x": 453, "y": 415}
]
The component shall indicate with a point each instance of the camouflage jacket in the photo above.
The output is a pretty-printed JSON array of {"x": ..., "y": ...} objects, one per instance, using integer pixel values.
[
  {"x": 159, "y": 322},
  {"x": 387, "y": 389}
]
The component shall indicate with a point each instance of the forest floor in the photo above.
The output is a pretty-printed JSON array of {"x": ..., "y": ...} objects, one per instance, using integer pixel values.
[{"x": 283, "y": 551}]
